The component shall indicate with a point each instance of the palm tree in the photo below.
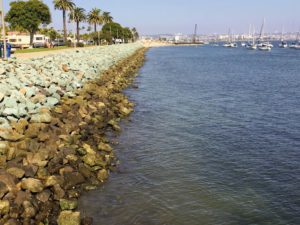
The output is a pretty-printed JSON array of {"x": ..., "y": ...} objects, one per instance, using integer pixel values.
[
  {"x": 94, "y": 17},
  {"x": 107, "y": 18},
  {"x": 64, "y": 5},
  {"x": 77, "y": 15}
]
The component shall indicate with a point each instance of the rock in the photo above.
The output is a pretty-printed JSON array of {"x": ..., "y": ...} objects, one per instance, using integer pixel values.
[
  {"x": 102, "y": 175},
  {"x": 11, "y": 154},
  {"x": 4, "y": 124},
  {"x": 65, "y": 68},
  {"x": 17, "y": 172},
  {"x": 41, "y": 118},
  {"x": 9, "y": 180},
  {"x": 38, "y": 159},
  {"x": 12, "y": 222},
  {"x": 33, "y": 130},
  {"x": 89, "y": 159},
  {"x": 51, "y": 101},
  {"x": 10, "y": 135},
  {"x": 43, "y": 196},
  {"x": 88, "y": 149},
  {"x": 69, "y": 218},
  {"x": 66, "y": 204},
  {"x": 33, "y": 185},
  {"x": 104, "y": 147},
  {"x": 11, "y": 112},
  {"x": 4, "y": 146},
  {"x": 3, "y": 189},
  {"x": 1, "y": 96},
  {"x": 81, "y": 151},
  {"x": 4, "y": 207},
  {"x": 53, "y": 180},
  {"x": 21, "y": 197},
  {"x": 29, "y": 210},
  {"x": 59, "y": 193},
  {"x": 73, "y": 179}
]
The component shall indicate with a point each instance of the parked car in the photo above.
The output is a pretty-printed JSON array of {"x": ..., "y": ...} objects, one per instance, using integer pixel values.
[
  {"x": 58, "y": 42},
  {"x": 40, "y": 41}
]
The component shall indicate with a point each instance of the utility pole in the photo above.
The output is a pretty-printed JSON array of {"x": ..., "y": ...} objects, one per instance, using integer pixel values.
[{"x": 3, "y": 30}]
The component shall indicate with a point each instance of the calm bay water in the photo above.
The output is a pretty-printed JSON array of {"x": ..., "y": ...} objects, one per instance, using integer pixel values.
[{"x": 215, "y": 139}]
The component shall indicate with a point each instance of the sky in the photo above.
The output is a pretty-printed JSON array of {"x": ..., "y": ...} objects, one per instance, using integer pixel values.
[{"x": 180, "y": 16}]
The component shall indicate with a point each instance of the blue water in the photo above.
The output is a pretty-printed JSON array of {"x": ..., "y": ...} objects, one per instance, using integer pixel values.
[{"x": 215, "y": 139}]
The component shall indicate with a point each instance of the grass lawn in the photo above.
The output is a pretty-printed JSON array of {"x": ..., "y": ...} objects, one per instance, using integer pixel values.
[{"x": 30, "y": 50}]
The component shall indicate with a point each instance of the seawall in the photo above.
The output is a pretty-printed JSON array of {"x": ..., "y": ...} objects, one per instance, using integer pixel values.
[{"x": 55, "y": 112}]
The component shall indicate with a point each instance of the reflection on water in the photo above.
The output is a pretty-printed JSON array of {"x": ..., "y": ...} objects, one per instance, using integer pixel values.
[{"x": 214, "y": 140}]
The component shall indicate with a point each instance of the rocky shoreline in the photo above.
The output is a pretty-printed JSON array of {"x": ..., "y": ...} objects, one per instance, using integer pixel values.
[{"x": 51, "y": 153}]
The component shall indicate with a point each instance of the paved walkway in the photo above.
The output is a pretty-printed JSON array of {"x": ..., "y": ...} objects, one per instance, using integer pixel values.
[{"x": 45, "y": 53}]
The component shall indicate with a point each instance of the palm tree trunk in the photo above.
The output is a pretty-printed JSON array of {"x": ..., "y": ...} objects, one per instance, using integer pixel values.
[
  {"x": 95, "y": 28},
  {"x": 77, "y": 28},
  {"x": 65, "y": 26}
]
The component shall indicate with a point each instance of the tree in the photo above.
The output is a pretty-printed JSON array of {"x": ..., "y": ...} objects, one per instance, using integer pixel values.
[
  {"x": 112, "y": 31},
  {"x": 94, "y": 17},
  {"x": 135, "y": 34},
  {"x": 78, "y": 15},
  {"x": 50, "y": 32},
  {"x": 28, "y": 15},
  {"x": 107, "y": 18},
  {"x": 64, "y": 5},
  {"x": 127, "y": 34}
]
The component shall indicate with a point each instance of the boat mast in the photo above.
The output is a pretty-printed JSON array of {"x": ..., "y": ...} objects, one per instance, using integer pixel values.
[
  {"x": 262, "y": 31},
  {"x": 195, "y": 33},
  {"x": 253, "y": 36}
]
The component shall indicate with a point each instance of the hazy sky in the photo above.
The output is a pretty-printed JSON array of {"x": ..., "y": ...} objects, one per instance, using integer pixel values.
[{"x": 180, "y": 16}]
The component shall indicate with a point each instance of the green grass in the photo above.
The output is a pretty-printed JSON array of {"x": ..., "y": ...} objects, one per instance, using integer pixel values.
[{"x": 30, "y": 50}]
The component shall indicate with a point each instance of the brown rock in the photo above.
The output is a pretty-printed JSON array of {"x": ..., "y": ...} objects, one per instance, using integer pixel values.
[
  {"x": 65, "y": 67},
  {"x": 53, "y": 180},
  {"x": 4, "y": 207},
  {"x": 33, "y": 185},
  {"x": 21, "y": 197},
  {"x": 102, "y": 175},
  {"x": 58, "y": 192},
  {"x": 10, "y": 135},
  {"x": 17, "y": 172},
  {"x": 69, "y": 218},
  {"x": 104, "y": 147},
  {"x": 29, "y": 210},
  {"x": 43, "y": 196},
  {"x": 73, "y": 179}
]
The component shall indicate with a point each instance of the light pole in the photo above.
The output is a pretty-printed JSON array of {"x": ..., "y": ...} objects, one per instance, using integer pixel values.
[{"x": 3, "y": 29}]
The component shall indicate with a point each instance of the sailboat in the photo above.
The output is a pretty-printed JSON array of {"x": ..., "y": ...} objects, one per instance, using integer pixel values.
[
  {"x": 253, "y": 45},
  {"x": 282, "y": 44},
  {"x": 230, "y": 44},
  {"x": 263, "y": 46},
  {"x": 296, "y": 44}
]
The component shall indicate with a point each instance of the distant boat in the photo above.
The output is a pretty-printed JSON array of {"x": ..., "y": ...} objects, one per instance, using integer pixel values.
[
  {"x": 230, "y": 43},
  {"x": 263, "y": 45},
  {"x": 296, "y": 44},
  {"x": 252, "y": 45},
  {"x": 283, "y": 44}
]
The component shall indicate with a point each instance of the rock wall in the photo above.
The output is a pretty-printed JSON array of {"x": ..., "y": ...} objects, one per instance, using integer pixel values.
[
  {"x": 27, "y": 86},
  {"x": 48, "y": 156}
]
